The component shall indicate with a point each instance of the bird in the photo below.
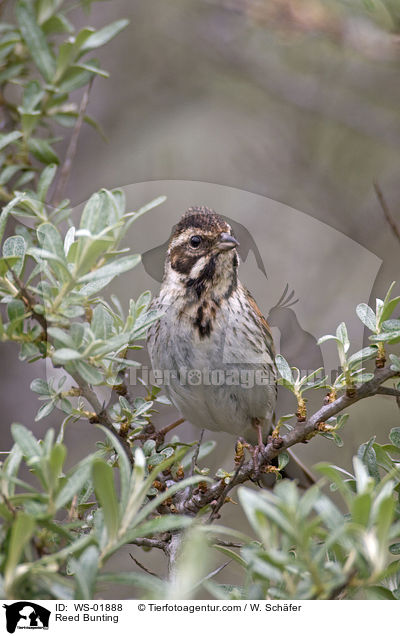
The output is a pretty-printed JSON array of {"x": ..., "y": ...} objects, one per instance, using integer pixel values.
[{"x": 211, "y": 344}]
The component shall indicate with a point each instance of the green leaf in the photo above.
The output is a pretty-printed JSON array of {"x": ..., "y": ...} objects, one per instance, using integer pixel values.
[
  {"x": 44, "y": 411},
  {"x": 15, "y": 246},
  {"x": 367, "y": 316},
  {"x": 102, "y": 323},
  {"x": 124, "y": 467},
  {"x": 152, "y": 584},
  {"x": 9, "y": 138},
  {"x": 386, "y": 336},
  {"x": 115, "y": 268},
  {"x": 16, "y": 314},
  {"x": 364, "y": 354},
  {"x": 395, "y": 360},
  {"x": 341, "y": 334},
  {"x": 378, "y": 592},
  {"x": 50, "y": 240},
  {"x": 45, "y": 181},
  {"x": 385, "y": 518},
  {"x": 74, "y": 78},
  {"x": 21, "y": 533},
  {"x": 361, "y": 509},
  {"x": 6, "y": 212},
  {"x": 99, "y": 212},
  {"x": 284, "y": 369},
  {"x": 42, "y": 150},
  {"x": 394, "y": 436},
  {"x": 27, "y": 443},
  {"x": 85, "y": 570},
  {"x": 61, "y": 336},
  {"x": 56, "y": 462},
  {"x": 57, "y": 24},
  {"x": 390, "y": 325},
  {"x": 46, "y": 8},
  {"x": 64, "y": 355},
  {"x": 88, "y": 373},
  {"x": 323, "y": 339},
  {"x": 75, "y": 481},
  {"x": 103, "y": 480},
  {"x": 104, "y": 35},
  {"x": 283, "y": 460},
  {"x": 35, "y": 39}
]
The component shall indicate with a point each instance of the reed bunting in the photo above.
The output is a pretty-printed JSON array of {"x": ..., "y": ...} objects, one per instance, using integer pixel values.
[{"x": 212, "y": 346}]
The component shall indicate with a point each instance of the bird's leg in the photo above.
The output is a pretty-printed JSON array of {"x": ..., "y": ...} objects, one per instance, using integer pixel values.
[{"x": 260, "y": 444}]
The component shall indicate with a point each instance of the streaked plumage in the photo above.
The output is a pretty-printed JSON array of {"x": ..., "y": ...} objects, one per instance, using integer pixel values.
[{"x": 211, "y": 323}]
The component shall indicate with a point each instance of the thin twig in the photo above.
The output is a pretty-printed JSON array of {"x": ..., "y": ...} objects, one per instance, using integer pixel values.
[
  {"x": 29, "y": 301},
  {"x": 143, "y": 567},
  {"x": 196, "y": 454},
  {"x": 163, "y": 431},
  {"x": 145, "y": 542},
  {"x": 224, "y": 493},
  {"x": 72, "y": 147},
  {"x": 102, "y": 416},
  {"x": 386, "y": 211}
]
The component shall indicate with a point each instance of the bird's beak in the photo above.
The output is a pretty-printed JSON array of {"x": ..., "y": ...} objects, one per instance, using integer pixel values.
[{"x": 227, "y": 242}]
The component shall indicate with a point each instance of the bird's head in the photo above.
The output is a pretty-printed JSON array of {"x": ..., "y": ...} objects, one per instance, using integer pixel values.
[{"x": 202, "y": 255}]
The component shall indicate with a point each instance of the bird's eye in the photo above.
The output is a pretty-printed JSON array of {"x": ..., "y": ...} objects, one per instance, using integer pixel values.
[{"x": 195, "y": 241}]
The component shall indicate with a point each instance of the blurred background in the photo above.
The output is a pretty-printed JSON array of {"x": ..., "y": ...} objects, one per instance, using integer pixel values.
[{"x": 279, "y": 113}]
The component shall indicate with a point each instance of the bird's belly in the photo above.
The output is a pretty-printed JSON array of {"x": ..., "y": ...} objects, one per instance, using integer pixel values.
[{"x": 212, "y": 386}]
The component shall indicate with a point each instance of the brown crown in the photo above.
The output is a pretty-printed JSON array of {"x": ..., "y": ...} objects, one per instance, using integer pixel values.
[{"x": 203, "y": 218}]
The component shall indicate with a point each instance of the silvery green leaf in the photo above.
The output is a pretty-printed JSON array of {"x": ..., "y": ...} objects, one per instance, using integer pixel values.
[
  {"x": 15, "y": 246},
  {"x": 89, "y": 373},
  {"x": 386, "y": 336},
  {"x": 323, "y": 339},
  {"x": 68, "y": 240},
  {"x": 395, "y": 360},
  {"x": 390, "y": 325},
  {"x": 6, "y": 212},
  {"x": 50, "y": 240},
  {"x": 364, "y": 354},
  {"x": 85, "y": 572},
  {"x": 44, "y": 411},
  {"x": 367, "y": 316},
  {"x": 101, "y": 323},
  {"x": 342, "y": 336},
  {"x": 115, "y": 268},
  {"x": 40, "y": 386},
  {"x": 45, "y": 180},
  {"x": 284, "y": 369},
  {"x": 64, "y": 355}
]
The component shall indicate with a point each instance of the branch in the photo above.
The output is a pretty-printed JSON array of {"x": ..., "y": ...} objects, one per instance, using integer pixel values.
[
  {"x": 72, "y": 146},
  {"x": 29, "y": 301},
  {"x": 385, "y": 390},
  {"x": 143, "y": 567},
  {"x": 150, "y": 543},
  {"x": 301, "y": 433},
  {"x": 386, "y": 211},
  {"x": 102, "y": 416}
]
